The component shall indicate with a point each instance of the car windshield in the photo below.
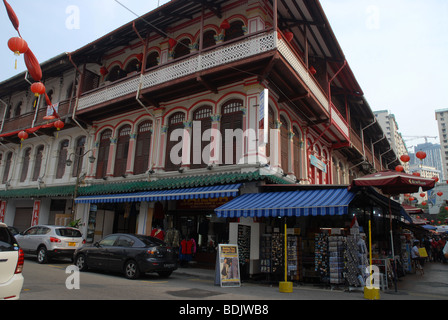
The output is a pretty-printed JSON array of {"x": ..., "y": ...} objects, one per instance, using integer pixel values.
[
  {"x": 68, "y": 232},
  {"x": 6, "y": 240},
  {"x": 150, "y": 241}
]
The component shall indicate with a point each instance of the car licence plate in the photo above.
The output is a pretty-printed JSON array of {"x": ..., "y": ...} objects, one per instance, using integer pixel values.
[
  {"x": 167, "y": 265},
  {"x": 72, "y": 244}
]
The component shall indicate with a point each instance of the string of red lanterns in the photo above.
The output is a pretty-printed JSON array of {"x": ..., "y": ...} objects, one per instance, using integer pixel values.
[{"x": 19, "y": 46}]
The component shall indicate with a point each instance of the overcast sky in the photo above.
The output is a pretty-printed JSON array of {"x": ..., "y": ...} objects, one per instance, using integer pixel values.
[{"x": 397, "y": 49}]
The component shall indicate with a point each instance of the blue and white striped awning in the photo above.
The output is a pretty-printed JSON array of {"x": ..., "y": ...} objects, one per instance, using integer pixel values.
[
  {"x": 316, "y": 202},
  {"x": 230, "y": 190}
]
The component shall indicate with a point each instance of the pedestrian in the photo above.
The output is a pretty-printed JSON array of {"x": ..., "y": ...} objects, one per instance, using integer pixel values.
[
  {"x": 415, "y": 256},
  {"x": 441, "y": 246},
  {"x": 434, "y": 244},
  {"x": 187, "y": 250}
]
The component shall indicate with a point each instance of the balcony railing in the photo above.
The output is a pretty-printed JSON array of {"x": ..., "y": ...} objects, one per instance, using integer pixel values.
[{"x": 221, "y": 55}]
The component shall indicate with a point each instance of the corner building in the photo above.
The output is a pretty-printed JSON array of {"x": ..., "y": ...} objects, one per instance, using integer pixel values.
[{"x": 147, "y": 108}]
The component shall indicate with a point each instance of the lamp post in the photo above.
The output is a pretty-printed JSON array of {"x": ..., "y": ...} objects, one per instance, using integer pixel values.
[{"x": 69, "y": 163}]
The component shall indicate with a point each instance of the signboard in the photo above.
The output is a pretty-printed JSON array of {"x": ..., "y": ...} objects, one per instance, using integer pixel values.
[
  {"x": 228, "y": 265},
  {"x": 36, "y": 210},
  {"x": 2, "y": 211},
  {"x": 202, "y": 204},
  {"x": 51, "y": 109},
  {"x": 263, "y": 117},
  {"x": 318, "y": 164}
]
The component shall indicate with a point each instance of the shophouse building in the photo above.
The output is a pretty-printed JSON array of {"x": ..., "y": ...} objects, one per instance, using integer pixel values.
[{"x": 165, "y": 119}]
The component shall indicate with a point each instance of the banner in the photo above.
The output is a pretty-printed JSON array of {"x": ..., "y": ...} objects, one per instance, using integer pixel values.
[
  {"x": 2, "y": 211},
  {"x": 228, "y": 265},
  {"x": 36, "y": 210}
]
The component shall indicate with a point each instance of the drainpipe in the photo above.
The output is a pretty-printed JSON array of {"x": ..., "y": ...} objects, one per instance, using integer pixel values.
[
  {"x": 4, "y": 114},
  {"x": 329, "y": 103},
  {"x": 77, "y": 95},
  {"x": 145, "y": 46},
  {"x": 373, "y": 148},
  {"x": 362, "y": 137}
]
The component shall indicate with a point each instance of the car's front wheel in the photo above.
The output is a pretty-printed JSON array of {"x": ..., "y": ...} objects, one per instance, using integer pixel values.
[
  {"x": 81, "y": 263},
  {"x": 131, "y": 270},
  {"x": 42, "y": 255}
]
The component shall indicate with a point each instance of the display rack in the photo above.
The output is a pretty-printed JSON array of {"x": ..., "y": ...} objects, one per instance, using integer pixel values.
[
  {"x": 321, "y": 256},
  {"x": 266, "y": 253},
  {"x": 336, "y": 248},
  {"x": 294, "y": 257}
]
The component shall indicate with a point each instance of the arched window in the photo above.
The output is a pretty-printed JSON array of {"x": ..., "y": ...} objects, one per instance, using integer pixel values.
[
  {"x": 116, "y": 73},
  {"x": 103, "y": 154},
  {"x": 202, "y": 117},
  {"x": 132, "y": 66},
  {"x": 182, "y": 48},
  {"x": 38, "y": 162},
  {"x": 232, "y": 119},
  {"x": 143, "y": 147},
  {"x": 209, "y": 39},
  {"x": 62, "y": 159},
  {"x": 79, "y": 153},
  {"x": 25, "y": 164},
  {"x": 174, "y": 122},
  {"x": 121, "y": 156},
  {"x": 18, "y": 109},
  {"x": 284, "y": 144},
  {"x": 152, "y": 60},
  {"x": 235, "y": 30},
  {"x": 7, "y": 167},
  {"x": 297, "y": 153}
]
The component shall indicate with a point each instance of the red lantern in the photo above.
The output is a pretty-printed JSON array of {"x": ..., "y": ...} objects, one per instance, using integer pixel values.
[
  {"x": 405, "y": 158},
  {"x": 446, "y": 208},
  {"x": 33, "y": 65},
  {"x": 104, "y": 71},
  {"x": 172, "y": 42},
  {"x": 421, "y": 155},
  {"x": 288, "y": 36},
  {"x": 312, "y": 70},
  {"x": 411, "y": 198},
  {"x": 436, "y": 178},
  {"x": 225, "y": 24},
  {"x": 399, "y": 168},
  {"x": 440, "y": 193},
  {"x": 38, "y": 89},
  {"x": 18, "y": 46},
  {"x": 424, "y": 203},
  {"x": 12, "y": 16},
  {"x": 422, "y": 194},
  {"x": 23, "y": 135},
  {"x": 417, "y": 174},
  {"x": 59, "y": 125}
]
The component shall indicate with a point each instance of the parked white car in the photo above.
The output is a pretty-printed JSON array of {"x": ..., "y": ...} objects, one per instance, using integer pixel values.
[
  {"x": 50, "y": 241},
  {"x": 11, "y": 265}
]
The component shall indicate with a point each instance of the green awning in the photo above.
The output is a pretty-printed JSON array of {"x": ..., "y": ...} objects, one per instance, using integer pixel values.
[
  {"x": 27, "y": 193},
  {"x": 139, "y": 186}
]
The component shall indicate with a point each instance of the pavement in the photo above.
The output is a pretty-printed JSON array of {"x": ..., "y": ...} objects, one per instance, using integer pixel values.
[{"x": 432, "y": 285}]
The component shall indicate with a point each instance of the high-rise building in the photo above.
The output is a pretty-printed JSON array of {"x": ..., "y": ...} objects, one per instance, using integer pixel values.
[
  {"x": 442, "y": 123},
  {"x": 433, "y": 158},
  {"x": 389, "y": 125}
]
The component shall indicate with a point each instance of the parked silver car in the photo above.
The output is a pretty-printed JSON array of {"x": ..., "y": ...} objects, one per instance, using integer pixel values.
[
  {"x": 50, "y": 241},
  {"x": 11, "y": 265}
]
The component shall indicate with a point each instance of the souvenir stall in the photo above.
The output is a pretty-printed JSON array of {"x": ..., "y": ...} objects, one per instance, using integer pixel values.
[{"x": 323, "y": 247}]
